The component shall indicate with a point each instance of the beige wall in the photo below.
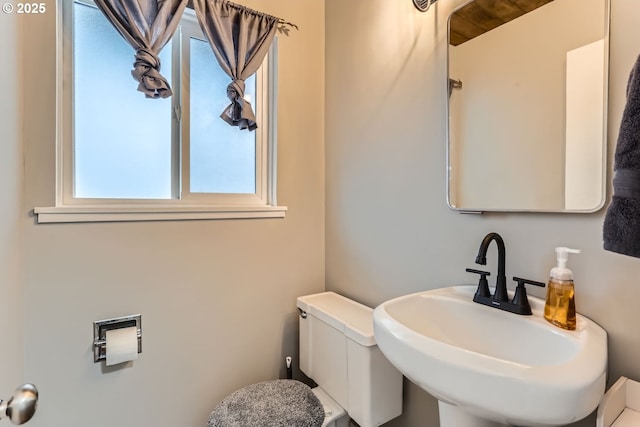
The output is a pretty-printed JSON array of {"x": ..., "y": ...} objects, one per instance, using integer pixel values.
[
  {"x": 388, "y": 229},
  {"x": 217, "y": 298},
  {"x": 11, "y": 236}
]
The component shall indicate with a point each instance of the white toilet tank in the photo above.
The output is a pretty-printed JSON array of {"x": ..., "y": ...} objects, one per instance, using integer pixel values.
[{"x": 339, "y": 352}]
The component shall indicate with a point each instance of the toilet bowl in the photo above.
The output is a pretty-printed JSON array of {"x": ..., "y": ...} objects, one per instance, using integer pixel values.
[
  {"x": 338, "y": 352},
  {"x": 334, "y": 414}
]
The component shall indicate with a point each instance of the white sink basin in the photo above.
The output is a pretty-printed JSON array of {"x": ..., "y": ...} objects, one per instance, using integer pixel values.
[{"x": 492, "y": 364}]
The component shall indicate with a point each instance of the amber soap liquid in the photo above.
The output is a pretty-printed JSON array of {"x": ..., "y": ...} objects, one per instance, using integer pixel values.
[{"x": 560, "y": 306}]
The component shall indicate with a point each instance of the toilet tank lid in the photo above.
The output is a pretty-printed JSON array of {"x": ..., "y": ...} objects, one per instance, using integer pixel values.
[{"x": 355, "y": 320}]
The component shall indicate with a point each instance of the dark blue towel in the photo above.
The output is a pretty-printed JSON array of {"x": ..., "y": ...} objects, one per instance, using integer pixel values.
[{"x": 621, "y": 230}]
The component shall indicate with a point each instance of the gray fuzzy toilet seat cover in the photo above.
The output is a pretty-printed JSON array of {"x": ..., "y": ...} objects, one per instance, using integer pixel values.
[{"x": 277, "y": 403}]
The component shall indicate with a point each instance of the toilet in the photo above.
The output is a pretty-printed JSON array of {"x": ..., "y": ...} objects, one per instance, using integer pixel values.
[{"x": 339, "y": 353}]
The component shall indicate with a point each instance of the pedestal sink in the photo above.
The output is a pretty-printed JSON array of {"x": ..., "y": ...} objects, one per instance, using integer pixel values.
[{"x": 489, "y": 367}]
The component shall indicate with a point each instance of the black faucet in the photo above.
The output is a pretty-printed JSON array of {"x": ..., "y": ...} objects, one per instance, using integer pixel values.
[
  {"x": 500, "y": 299},
  {"x": 500, "y": 293}
]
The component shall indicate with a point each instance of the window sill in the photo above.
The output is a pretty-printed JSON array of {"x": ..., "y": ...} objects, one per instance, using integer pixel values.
[{"x": 120, "y": 213}]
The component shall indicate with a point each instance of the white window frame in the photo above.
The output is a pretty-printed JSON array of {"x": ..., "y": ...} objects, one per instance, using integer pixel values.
[{"x": 184, "y": 205}]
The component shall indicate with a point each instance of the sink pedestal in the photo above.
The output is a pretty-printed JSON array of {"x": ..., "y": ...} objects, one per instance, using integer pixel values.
[{"x": 453, "y": 416}]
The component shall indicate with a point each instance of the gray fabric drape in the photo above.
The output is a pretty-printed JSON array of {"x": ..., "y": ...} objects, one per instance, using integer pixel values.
[
  {"x": 240, "y": 38},
  {"x": 147, "y": 25}
]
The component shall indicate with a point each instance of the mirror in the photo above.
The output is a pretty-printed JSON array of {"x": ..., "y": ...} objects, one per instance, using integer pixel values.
[{"x": 527, "y": 105}]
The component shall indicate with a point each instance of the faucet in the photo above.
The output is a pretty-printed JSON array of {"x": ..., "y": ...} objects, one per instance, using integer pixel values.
[
  {"x": 500, "y": 293},
  {"x": 500, "y": 299}
]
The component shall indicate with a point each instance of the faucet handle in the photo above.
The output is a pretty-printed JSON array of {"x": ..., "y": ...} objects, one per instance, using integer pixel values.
[
  {"x": 520, "y": 300},
  {"x": 522, "y": 282},
  {"x": 483, "y": 284}
]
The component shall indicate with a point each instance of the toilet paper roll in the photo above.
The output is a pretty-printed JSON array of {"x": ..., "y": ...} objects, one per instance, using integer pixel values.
[{"x": 122, "y": 345}]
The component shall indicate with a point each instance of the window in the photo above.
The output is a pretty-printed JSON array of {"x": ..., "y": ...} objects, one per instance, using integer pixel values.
[{"x": 122, "y": 156}]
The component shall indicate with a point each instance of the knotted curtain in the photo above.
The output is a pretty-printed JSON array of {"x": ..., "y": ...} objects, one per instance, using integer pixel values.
[
  {"x": 147, "y": 25},
  {"x": 240, "y": 38}
]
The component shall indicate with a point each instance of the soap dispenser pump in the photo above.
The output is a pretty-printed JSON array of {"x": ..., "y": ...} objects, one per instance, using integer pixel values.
[{"x": 560, "y": 306}]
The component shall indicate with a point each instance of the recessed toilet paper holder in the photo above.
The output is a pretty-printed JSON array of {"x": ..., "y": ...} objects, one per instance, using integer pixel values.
[{"x": 100, "y": 328}]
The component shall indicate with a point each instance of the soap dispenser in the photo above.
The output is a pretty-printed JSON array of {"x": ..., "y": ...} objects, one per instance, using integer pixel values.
[{"x": 560, "y": 306}]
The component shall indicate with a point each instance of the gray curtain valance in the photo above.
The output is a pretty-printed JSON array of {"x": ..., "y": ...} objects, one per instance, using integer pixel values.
[
  {"x": 240, "y": 38},
  {"x": 147, "y": 26}
]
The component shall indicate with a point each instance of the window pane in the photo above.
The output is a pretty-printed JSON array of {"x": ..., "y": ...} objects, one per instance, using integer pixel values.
[
  {"x": 122, "y": 139},
  {"x": 223, "y": 158}
]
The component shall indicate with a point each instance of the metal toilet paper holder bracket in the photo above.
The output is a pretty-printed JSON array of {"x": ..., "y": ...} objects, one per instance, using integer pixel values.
[{"x": 100, "y": 328}]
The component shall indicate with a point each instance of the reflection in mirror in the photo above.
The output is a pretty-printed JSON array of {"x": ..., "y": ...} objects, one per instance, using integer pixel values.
[{"x": 527, "y": 105}]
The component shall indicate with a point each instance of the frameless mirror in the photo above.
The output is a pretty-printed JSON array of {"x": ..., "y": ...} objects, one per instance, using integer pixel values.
[{"x": 527, "y": 105}]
